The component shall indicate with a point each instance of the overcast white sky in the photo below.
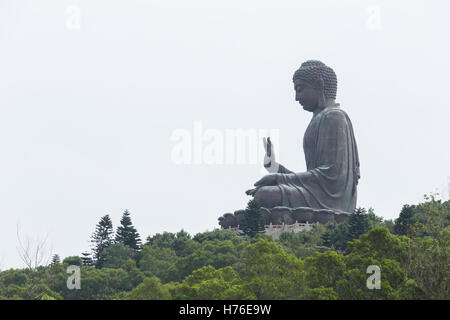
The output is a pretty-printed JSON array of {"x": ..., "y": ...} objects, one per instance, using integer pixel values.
[{"x": 87, "y": 115}]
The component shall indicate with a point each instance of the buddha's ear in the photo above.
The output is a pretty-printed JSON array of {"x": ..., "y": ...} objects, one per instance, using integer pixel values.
[{"x": 319, "y": 84}]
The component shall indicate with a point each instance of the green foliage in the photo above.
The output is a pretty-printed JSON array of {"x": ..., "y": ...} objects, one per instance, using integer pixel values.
[
  {"x": 304, "y": 244},
  {"x": 374, "y": 220},
  {"x": 336, "y": 235},
  {"x": 425, "y": 219},
  {"x": 164, "y": 240},
  {"x": 101, "y": 238},
  {"x": 404, "y": 223},
  {"x": 134, "y": 275},
  {"x": 207, "y": 283},
  {"x": 428, "y": 264},
  {"x": 324, "y": 270},
  {"x": 73, "y": 261},
  {"x": 380, "y": 248},
  {"x": 56, "y": 259},
  {"x": 269, "y": 272},
  {"x": 159, "y": 262},
  {"x": 25, "y": 285},
  {"x": 127, "y": 234},
  {"x": 87, "y": 259},
  {"x": 219, "y": 264},
  {"x": 320, "y": 293},
  {"x": 253, "y": 222},
  {"x": 180, "y": 242},
  {"x": 389, "y": 224},
  {"x": 358, "y": 224},
  {"x": 115, "y": 255},
  {"x": 13, "y": 276},
  {"x": 380, "y": 244},
  {"x": 216, "y": 234},
  {"x": 149, "y": 289},
  {"x": 99, "y": 284},
  {"x": 216, "y": 253}
]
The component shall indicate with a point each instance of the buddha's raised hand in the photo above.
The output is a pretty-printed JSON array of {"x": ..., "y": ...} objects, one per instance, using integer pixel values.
[{"x": 270, "y": 163}]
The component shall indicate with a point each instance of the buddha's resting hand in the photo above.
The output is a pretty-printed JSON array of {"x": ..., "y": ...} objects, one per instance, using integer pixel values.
[
  {"x": 252, "y": 192},
  {"x": 270, "y": 163},
  {"x": 268, "y": 180}
]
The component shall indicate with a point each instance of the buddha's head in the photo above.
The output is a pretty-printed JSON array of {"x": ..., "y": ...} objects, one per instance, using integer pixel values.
[{"x": 315, "y": 85}]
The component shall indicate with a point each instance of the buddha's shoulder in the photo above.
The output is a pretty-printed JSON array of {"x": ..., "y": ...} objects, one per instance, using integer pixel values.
[{"x": 335, "y": 113}]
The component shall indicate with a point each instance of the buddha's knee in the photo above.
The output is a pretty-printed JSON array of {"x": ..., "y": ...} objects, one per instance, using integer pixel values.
[{"x": 268, "y": 196}]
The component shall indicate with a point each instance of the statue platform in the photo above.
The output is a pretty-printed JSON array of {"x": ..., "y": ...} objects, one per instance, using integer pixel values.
[{"x": 286, "y": 216}]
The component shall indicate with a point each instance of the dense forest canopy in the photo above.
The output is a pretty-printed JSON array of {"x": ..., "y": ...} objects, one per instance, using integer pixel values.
[{"x": 328, "y": 262}]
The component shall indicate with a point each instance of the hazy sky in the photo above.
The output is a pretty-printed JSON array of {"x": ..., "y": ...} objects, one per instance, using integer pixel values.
[{"x": 92, "y": 91}]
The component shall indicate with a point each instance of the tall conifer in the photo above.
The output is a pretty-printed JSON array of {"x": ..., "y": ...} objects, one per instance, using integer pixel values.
[{"x": 127, "y": 234}]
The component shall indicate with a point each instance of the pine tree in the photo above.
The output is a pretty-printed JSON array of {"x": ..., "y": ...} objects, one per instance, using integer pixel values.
[
  {"x": 358, "y": 224},
  {"x": 326, "y": 238},
  {"x": 127, "y": 234},
  {"x": 101, "y": 238},
  {"x": 405, "y": 221},
  {"x": 87, "y": 259},
  {"x": 253, "y": 219},
  {"x": 56, "y": 259}
]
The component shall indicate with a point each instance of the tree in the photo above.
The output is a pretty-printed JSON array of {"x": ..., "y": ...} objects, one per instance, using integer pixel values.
[
  {"x": 428, "y": 264},
  {"x": 336, "y": 235},
  {"x": 320, "y": 293},
  {"x": 326, "y": 238},
  {"x": 149, "y": 289},
  {"x": 374, "y": 220},
  {"x": 380, "y": 248},
  {"x": 127, "y": 234},
  {"x": 164, "y": 240},
  {"x": 97, "y": 284},
  {"x": 101, "y": 238},
  {"x": 324, "y": 269},
  {"x": 35, "y": 255},
  {"x": 56, "y": 259},
  {"x": 116, "y": 255},
  {"x": 405, "y": 221},
  {"x": 270, "y": 273},
  {"x": 216, "y": 253},
  {"x": 358, "y": 224},
  {"x": 158, "y": 262},
  {"x": 379, "y": 244},
  {"x": 304, "y": 244},
  {"x": 73, "y": 261},
  {"x": 180, "y": 242},
  {"x": 253, "y": 222},
  {"x": 87, "y": 259},
  {"x": 134, "y": 275},
  {"x": 208, "y": 283}
]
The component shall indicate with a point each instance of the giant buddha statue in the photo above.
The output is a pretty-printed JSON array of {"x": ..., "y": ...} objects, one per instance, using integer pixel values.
[{"x": 329, "y": 186}]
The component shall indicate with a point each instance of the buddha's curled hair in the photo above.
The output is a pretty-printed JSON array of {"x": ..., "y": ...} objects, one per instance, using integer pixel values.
[{"x": 311, "y": 70}]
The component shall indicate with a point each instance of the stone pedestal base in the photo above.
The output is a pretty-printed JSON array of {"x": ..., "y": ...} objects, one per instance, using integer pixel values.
[{"x": 285, "y": 215}]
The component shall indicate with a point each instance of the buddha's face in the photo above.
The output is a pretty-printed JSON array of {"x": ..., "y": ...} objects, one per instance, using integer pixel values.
[{"x": 306, "y": 95}]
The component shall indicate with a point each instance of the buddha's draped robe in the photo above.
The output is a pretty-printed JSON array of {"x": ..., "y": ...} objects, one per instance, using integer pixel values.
[{"x": 332, "y": 165}]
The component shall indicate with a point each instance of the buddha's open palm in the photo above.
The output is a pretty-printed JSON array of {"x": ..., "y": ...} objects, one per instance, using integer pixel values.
[{"x": 270, "y": 163}]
